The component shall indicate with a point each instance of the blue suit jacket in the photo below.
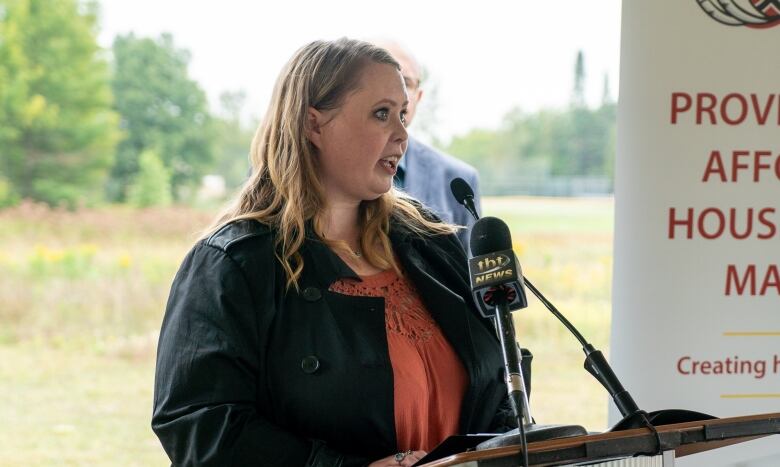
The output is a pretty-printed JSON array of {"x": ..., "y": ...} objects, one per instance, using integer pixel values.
[{"x": 427, "y": 177}]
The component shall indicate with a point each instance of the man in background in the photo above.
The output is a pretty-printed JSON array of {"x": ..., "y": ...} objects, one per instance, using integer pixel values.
[{"x": 424, "y": 172}]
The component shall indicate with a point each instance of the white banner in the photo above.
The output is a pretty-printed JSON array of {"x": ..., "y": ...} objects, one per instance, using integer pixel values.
[{"x": 696, "y": 291}]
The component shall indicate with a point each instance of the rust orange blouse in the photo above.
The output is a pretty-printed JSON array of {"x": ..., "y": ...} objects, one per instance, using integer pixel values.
[{"x": 429, "y": 380}]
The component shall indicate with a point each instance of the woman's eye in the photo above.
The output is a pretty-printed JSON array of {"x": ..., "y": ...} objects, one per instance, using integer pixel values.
[
  {"x": 382, "y": 114},
  {"x": 403, "y": 117}
]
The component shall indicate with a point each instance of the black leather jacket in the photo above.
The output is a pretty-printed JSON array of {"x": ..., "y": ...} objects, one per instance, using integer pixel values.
[{"x": 249, "y": 373}]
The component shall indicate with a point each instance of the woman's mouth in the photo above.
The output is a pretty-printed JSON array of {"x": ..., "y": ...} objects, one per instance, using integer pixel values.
[{"x": 390, "y": 163}]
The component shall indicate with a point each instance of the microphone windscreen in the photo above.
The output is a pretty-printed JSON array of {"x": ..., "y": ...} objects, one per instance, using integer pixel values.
[
  {"x": 461, "y": 190},
  {"x": 489, "y": 234}
]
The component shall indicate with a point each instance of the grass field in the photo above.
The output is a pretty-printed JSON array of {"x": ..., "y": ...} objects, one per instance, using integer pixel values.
[{"x": 82, "y": 296}]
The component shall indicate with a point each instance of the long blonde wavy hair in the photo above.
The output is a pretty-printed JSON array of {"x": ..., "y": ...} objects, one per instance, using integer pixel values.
[{"x": 284, "y": 190}]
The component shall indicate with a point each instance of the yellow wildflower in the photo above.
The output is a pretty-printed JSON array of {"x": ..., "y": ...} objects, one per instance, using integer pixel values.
[
  {"x": 53, "y": 256},
  {"x": 88, "y": 249},
  {"x": 125, "y": 261}
]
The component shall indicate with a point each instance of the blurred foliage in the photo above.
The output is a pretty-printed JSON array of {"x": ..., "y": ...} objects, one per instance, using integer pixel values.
[
  {"x": 529, "y": 153},
  {"x": 152, "y": 184},
  {"x": 233, "y": 140},
  {"x": 163, "y": 109},
  {"x": 7, "y": 196},
  {"x": 74, "y": 131},
  {"x": 82, "y": 298},
  {"x": 57, "y": 129}
]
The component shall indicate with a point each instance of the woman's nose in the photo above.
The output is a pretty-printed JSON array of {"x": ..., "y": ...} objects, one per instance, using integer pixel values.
[{"x": 401, "y": 135}]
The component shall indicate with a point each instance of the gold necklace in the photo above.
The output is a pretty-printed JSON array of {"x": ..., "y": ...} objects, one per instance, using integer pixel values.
[{"x": 355, "y": 253}]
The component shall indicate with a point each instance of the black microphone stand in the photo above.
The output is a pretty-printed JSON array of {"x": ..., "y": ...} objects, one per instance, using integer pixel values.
[
  {"x": 598, "y": 366},
  {"x": 526, "y": 431},
  {"x": 514, "y": 376},
  {"x": 595, "y": 363}
]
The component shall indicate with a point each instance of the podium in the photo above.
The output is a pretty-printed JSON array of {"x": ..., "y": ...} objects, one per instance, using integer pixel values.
[{"x": 636, "y": 447}]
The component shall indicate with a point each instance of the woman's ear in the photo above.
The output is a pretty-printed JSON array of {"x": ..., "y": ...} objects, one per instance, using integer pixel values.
[{"x": 314, "y": 122}]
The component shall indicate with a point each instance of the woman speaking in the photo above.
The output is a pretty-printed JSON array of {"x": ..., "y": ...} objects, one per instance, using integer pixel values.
[{"x": 326, "y": 319}]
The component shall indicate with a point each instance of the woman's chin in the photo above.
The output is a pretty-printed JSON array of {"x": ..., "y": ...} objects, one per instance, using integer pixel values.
[
  {"x": 380, "y": 189},
  {"x": 374, "y": 196}
]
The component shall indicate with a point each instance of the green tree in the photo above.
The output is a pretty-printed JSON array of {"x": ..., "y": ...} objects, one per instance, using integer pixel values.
[
  {"x": 57, "y": 130},
  {"x": 542, "y": 152},
  {"x": 478, "y": 147},
  {"x": 607, "y": 115},
  {"x": 161, "y": 108},
  {"x": 578, "y": 92},
  {"x": 582, "y": 136},
  {"x": 233, "y": 140},
  {"x": 7, "y": 196},
  {"x": 152, "y": 183}
]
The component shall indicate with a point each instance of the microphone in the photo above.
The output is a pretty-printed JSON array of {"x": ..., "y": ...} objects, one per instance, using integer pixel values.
[
  {"x": 494, "y": 272},
  {"x": 464, "y": 195},
  {"x": 493, "y": 267},
  {"x": 595, "y": 362},
  {"x": 497, "y": 287}
]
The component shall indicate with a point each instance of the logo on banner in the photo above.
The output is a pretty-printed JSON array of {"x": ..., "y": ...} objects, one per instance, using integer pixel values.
[{"x": 757, "y": 14}]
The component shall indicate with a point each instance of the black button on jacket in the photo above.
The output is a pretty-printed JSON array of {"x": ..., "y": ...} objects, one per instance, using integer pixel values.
[{"x": 250, "y": 374}]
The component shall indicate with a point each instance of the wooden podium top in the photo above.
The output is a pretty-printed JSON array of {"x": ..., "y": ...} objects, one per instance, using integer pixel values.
[{"x": 684, "y": 438}]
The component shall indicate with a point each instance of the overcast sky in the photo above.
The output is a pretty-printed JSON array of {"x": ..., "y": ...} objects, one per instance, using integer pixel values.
[{"x": 484, "y": 57}]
